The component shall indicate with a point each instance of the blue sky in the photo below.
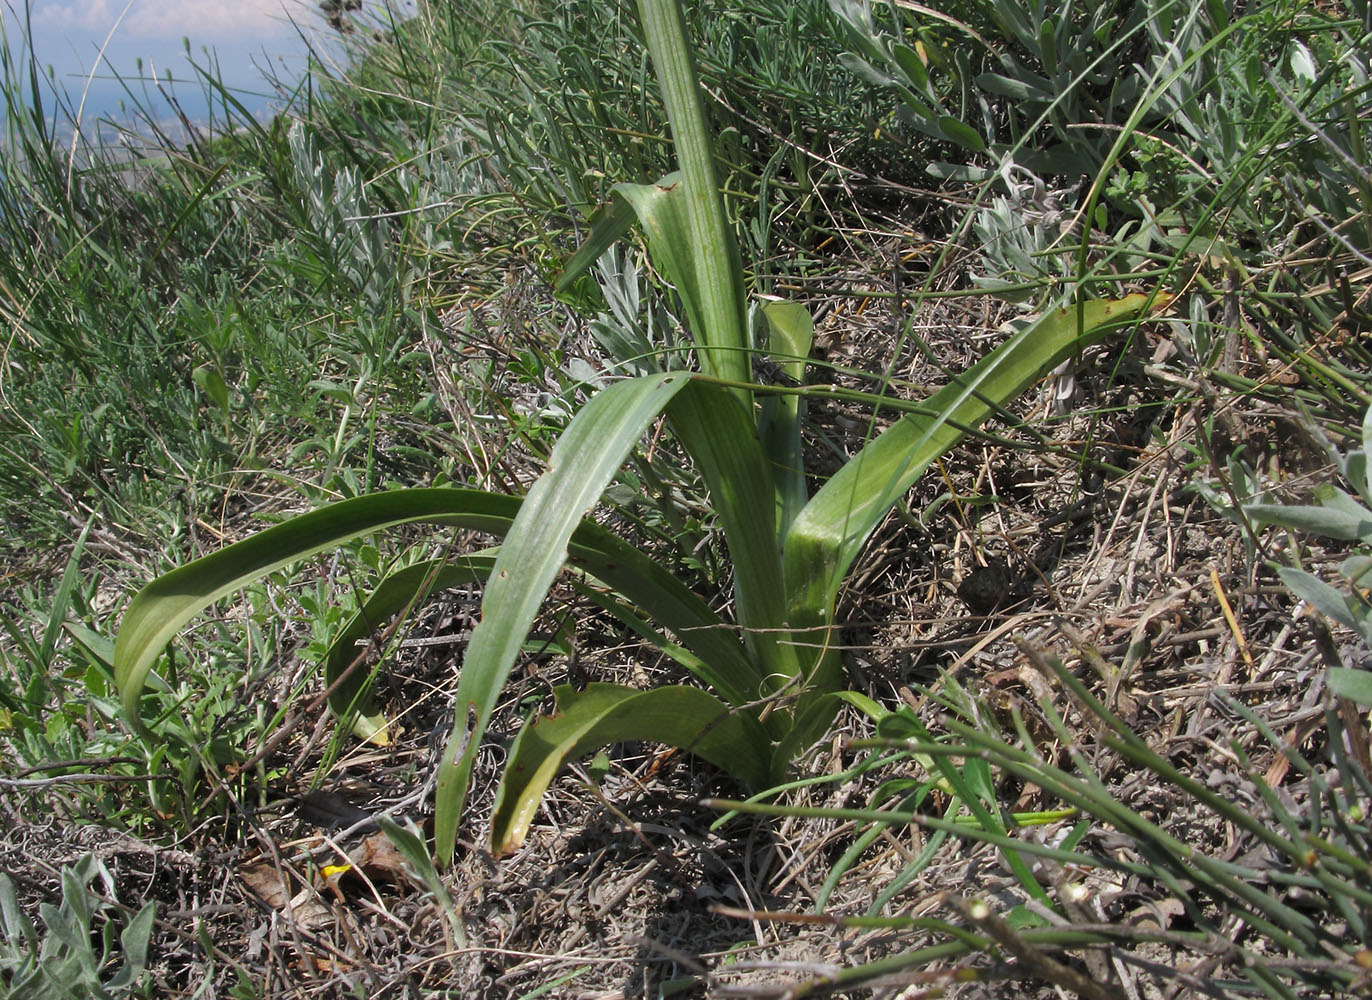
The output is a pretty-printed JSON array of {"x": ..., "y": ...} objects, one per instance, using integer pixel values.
[{"x": 87, "y": 41}]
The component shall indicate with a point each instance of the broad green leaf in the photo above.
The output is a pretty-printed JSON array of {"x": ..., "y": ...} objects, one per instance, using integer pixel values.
[
  {"x": 831, "y": 530},
  {"x": 348, "y": 684},
  {"x": 1350, "y": 521},
  {"x": 1336, "y": 499},
  {"x": 1355, "y": 685},
  {"x": 1048, "y": 53},
  {"x": 663, "y": 211},
  {"x": 814, "y": 711},
  {"x": 912, "y": 66},
  {"x": 212, "y": 384},
  {"x": 1019, "y": 89},
  {"x": 732, "y": 685},
  {"x": 961, "y": 133},
  {"x": 864, "y": 69},
  {"x": 161, "y": 608},
  {"x": 133, "y": 941},
  {"x": 17, "y": 928},
  {"x": 1321, "y": 596},
  {"x": 722, "y": 661},
  {"x": 1358, "y": 569},
  {"x": 723, "y": 441},
  {"x": 1355, "y": 468},
  {"x": 608, "y": 225},
  {"x": 98, "y": 646},
  {"x": 861, "y": 28},
  {"x": 607, "y": 713},
  {"x": 584, "y": 461},
  {"x": 722, "y": 340},
  {"x": 708, "y": 649},
  {"x": 921, "y": 115},
  {"x": 792, "y": 332}
]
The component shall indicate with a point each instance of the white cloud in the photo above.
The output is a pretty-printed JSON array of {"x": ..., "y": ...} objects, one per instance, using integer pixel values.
[{"x": 207, "y": 22}]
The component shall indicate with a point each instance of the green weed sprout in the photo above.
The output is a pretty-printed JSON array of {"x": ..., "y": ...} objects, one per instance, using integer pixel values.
[
  {"x": 1346, "y": 517},
  {"x": 76, "y": 943}
]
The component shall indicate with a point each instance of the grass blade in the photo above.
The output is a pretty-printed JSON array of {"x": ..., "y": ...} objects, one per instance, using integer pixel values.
[{"x": 409, "y": 842}]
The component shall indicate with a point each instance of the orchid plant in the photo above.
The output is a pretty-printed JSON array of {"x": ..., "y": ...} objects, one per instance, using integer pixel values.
[{"x": 773, "y": 672}]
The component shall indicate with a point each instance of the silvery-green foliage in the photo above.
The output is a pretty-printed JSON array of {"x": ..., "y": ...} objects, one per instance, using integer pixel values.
[
  {"x": 556, "y": 403},
  {"x": 1025, "y": 237},
  {"x": 64, "y": 958},
  {"x": 1283, "y": 122},
  {"x": 449, "y": 174},
  {"x": 637, "y": 334},
  {"x": 1177, "y": 35},
  {"x": 1065, "y": 66},
  {"x": 887, "y": 60},
  {"x": 355, "y": 237},
  {"x": 1196, "y": 337},
  {"x": 1239, "y": 137},
  {"x": 1023, "y": 95}
]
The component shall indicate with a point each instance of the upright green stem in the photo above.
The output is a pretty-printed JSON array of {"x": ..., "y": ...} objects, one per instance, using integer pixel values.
[{"x": 723, "y": 344}]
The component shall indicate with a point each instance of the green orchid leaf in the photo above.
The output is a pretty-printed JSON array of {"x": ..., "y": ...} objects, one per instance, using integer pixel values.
[
  {"x": 346, "y": 682},
  {"x": 699, "y": 228},
  {"x": 791, "y": 332},
  {"x": 161, "y": 608},
  {"x": 663, "y": 211},
  {"x": 609, "y": 224},
  {"x": 584, "y": 461},
  {"x": 723, "y": 441},
  {"x": 829, "y": 533},
  {"x": 707, "y": 649},
  {"x": 607, "y": 713},
  {"x": 724, "y": 666}
]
